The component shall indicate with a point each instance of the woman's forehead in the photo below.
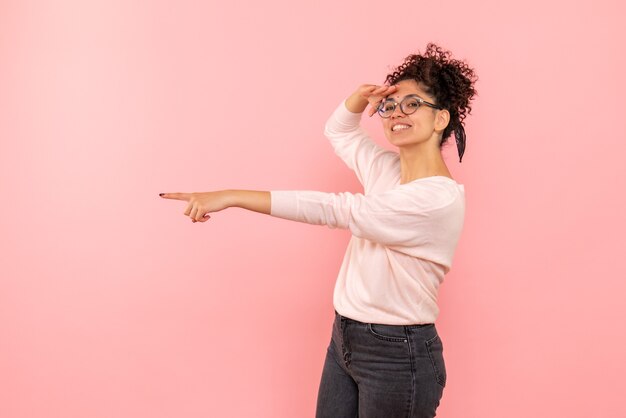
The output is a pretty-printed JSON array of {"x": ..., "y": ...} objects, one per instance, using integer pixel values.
[{"x": 406, "y": 87}]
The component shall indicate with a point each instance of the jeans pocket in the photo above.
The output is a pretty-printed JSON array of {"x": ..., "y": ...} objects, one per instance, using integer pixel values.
[
  {"x": 434, "y": 347},
  {"x": 392, "y": 333}
]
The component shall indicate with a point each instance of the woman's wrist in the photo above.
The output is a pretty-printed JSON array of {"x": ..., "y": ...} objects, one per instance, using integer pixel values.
[
  {"x": 254, "y": 200},
  {"x": 356, "y": 103}
]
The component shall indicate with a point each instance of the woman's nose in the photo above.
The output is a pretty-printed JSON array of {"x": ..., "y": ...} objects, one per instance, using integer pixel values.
[{"x": 397, "y": 111}]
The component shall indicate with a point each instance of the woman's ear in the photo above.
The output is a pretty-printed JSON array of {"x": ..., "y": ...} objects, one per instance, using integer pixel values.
[{"x": 442, "y": 118}]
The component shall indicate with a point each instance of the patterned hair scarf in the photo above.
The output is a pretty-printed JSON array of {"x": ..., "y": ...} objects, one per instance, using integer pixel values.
[{"x": 459, "y": 133}]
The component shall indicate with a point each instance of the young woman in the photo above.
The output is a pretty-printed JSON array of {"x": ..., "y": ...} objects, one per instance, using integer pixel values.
[{"x": 385, "y": 357}]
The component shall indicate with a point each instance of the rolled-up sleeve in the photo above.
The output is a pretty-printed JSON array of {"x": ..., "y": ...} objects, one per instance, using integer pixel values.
[{"x": 398, "y": 217}]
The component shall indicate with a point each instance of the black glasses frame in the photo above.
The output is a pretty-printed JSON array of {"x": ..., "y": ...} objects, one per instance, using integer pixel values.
[{"x": 421, "y": 101}]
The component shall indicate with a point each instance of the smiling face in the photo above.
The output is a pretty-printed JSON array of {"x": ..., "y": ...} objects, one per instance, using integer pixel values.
[{"x": 422, "y": 126}]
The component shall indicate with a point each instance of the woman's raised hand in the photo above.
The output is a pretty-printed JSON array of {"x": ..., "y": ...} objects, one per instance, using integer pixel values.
[
  {"x": 200, "y": 204},
  {"x": 371, "y": 94}
]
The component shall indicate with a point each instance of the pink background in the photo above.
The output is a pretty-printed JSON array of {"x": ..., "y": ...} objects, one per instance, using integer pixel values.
[{"x": 113, "y": 304}]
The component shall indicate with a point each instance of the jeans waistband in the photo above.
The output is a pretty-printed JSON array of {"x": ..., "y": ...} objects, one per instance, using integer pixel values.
[{"x": 346, "y": 319}]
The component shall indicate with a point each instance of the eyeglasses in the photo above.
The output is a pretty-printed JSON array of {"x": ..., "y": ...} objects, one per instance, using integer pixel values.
[{"x": 408, "y": 105}]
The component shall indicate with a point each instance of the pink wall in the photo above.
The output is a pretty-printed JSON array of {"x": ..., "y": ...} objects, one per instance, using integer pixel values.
[{"x": 113, "y": 304}]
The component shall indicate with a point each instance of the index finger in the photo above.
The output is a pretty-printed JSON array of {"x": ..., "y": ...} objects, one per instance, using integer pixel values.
[{"x": 177, "y": 196}]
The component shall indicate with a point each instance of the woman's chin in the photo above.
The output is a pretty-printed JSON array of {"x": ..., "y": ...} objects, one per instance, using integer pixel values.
[
  {"x": 400, "y": 140},
  {"x": 406, "y": 142}
]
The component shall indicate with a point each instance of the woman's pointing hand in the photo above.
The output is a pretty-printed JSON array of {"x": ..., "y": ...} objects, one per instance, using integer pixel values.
[{"x": 200, "y": 204}]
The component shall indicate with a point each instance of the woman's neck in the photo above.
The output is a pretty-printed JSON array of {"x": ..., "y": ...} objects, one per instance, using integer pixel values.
[{"x": 421, "y": 161}]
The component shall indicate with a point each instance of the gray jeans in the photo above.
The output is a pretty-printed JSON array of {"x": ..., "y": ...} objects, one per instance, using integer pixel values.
[{"x": 381, "y": 371}]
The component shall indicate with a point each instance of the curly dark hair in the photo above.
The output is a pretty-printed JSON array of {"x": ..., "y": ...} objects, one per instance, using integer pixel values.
[{"x": 449, "y": 81}]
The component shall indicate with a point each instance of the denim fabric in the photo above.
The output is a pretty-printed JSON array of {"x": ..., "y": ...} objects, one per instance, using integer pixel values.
[{"x": 381, "y": 371}]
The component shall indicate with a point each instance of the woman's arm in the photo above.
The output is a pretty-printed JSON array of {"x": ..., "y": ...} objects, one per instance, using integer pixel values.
[
  {"x": 201, "y": 204},
  {"x": 350, "y": 141},
  {"x": 255, "y": 200}
]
